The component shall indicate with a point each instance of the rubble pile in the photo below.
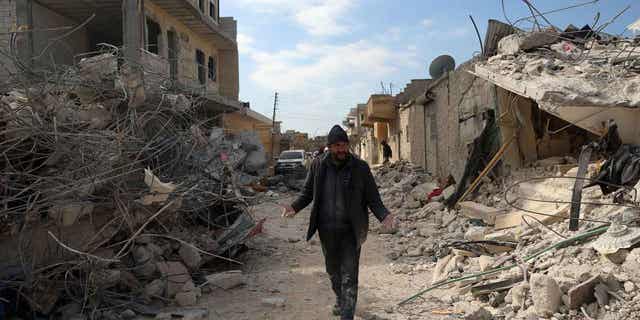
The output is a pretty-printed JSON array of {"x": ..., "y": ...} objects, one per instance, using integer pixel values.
[
  {"x": 110, "y": 211},
  {"x": 507, "y": 249},
  {"x": 588, "y": 67}
]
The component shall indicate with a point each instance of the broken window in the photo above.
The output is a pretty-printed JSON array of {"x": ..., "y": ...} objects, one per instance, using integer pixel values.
[
  {"x": 152, "y": 43},
  {"x": 212, "y": 68},
  {"x": 201, "y": 67},
  {"x": 212, "y": 10},
  {"x": 201, "y": 5}
]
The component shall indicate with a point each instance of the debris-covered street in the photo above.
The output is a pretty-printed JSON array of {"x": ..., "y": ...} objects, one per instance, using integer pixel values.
[{"x": 137, "y": 180}]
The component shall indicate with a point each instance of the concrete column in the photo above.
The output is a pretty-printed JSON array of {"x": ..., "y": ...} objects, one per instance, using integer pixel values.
[
  {"x": 24, "y": 41},
  {"x": 132, "y": 72}
]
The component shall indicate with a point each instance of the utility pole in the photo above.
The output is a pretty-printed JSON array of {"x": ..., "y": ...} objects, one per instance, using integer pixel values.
[{"x": 273, "y": 126}]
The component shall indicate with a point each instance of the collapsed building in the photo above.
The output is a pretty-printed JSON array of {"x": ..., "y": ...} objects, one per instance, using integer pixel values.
[
  {"x": 128, "y": 162},
  {"x": 500, "y": 160}
]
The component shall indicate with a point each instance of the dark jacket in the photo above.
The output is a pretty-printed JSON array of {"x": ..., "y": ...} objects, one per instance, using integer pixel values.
[
  {"x": 361, "y": 195},
  {"x": 386, "y": 151}
]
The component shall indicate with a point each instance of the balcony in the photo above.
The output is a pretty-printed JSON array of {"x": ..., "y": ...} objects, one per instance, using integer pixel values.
[
  {"x": 381, "y": 108},
  {"x": 222, "y": 34}
]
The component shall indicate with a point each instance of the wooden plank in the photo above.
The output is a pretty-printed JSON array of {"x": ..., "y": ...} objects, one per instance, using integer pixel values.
[{"x": 514, "y": 219}]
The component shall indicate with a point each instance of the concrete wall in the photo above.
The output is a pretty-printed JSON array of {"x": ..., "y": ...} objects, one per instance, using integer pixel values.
[
  {"x": 455, "y": 114},
  {"x": 64, "y": 50},
  {"x": 188, "y": 42},
  {"x": 403, "y": 123}
]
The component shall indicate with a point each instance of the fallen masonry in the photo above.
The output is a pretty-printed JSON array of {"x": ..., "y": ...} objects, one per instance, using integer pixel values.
[
  {"x": 533, "y": 267},
  {"x": 113, "y": 211}
]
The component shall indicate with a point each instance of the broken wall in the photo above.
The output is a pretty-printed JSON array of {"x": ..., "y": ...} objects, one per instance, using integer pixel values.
[
  {"x": 404, "y": 145},
  {"x": 458, "y": 102},
  {"x": 63, "y": 50}
]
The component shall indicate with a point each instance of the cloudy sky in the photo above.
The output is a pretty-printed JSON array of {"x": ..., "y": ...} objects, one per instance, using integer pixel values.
[{"x": 325, "y": 56}]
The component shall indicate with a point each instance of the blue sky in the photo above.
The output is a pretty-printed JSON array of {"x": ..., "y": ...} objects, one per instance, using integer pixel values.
[{"x": 325, "y": 56}]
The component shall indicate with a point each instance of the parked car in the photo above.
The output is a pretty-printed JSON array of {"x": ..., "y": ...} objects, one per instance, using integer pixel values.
[{"x": 292, "y": 162}]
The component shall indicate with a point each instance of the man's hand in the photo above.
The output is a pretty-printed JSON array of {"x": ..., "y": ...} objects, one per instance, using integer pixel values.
[
  {"x": 389, "y": 222},
  {"x": 287, "y": 211}
]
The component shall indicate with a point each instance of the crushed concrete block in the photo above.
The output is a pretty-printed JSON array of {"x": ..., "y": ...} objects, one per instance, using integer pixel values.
[
  {"x": 176, "y": 275},
  {"x": 546, "y": 295},
  {"x": 128, "y": 314},
  {"x": 514, "y": 43},
  {"x": 518, "y": 295},
  {"x": 477, "y": 313},
  {"x": 507, "y": 235},
  {"x": 486, "y": 262},
  {"x": 514, "y": 219},
  {"x": 145, "y": 262},
  {"x": 582, "y": 293},
  {"x": 475, "y": 233},
  {"x": 186, "y": 299},
  {"x": 629, "y": 287},
  {"x": 155, "y": 288},
  {"x": 226, "y": 280},
  {"x": 476, "y": 210},
  {"x": 190, "y": 256},
  {"x": 421, "y": 191}
]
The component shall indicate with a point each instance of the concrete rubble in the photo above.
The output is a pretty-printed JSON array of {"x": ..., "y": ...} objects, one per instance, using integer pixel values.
[
  {"x": 466, "y": 241},
  {"x": 136, "y": 202}
]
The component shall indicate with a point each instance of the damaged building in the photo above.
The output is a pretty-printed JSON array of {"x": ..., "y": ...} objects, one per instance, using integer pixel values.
[
  {"x": 527, "y": 208},
  {"x": 128, "y": 160}
]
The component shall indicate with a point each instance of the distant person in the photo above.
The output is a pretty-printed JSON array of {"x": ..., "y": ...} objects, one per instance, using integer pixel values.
[
  {"x": 386, "y": 151},
  {"x": 343, "y": 191}
]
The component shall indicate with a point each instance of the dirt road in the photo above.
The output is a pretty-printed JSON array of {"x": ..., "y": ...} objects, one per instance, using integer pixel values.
[{"x": 281, "y": 265}]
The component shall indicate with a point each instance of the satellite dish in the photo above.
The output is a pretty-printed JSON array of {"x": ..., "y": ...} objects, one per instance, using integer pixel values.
[{"x": 440, "y": 65}]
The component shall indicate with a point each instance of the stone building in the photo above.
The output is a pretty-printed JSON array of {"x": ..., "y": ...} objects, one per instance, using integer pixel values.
[{"x": 180, "y": 43}]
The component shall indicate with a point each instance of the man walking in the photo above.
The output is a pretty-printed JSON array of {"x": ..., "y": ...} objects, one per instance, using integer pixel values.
[
  {"x": 386, "y": 151},
  {"x": 343, "y": 190}
]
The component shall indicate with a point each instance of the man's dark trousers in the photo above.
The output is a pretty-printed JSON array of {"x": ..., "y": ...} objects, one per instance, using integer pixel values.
[{"x": 342, "y": 260}]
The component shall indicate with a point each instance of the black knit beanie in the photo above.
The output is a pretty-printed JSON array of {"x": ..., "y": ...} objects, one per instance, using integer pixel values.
[{"x": 337, "y": 134}]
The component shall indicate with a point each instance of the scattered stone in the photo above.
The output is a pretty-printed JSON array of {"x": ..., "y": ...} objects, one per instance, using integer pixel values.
[
  {"x": 476, "y": 210},
  {"x": 186, "y": 299},
  {"x": 414, "y": 252},
  {"x": 629, "y": 287},
  {"x": 155, "y": 288},
  {"x": 176, "y": 275},
  {"x": 477, "y": 313},
  {"x": 546, "y": 295},
  {"x": 582, "y": 293},
  {"x": 475, "y": 233},
  {"x": 421, "y": 191},
  {"x": 486, "y": 262},
  {"x": 226, "y": 280},
  {"x": 128, "y": 314},
  {"x": 145, "y": 261},
  {"x": 275, "y": 302},
  {"x": 602, "y": 294}
]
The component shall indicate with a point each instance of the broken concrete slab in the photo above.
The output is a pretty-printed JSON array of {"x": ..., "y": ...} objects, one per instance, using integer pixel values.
[
  {"x": 476, "y": 210},
  {"x": 582, "y": 293},
  {"x": 186, "y": 299},
  {"x": 190, "y": 256},
  {"x": 226, "y": 280},
  {"x": 517, "y": 42},
  {"x": 514, "y": 219},
  {"x": 546, "y": 295},
  {"x": 176, "y": 275}
]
